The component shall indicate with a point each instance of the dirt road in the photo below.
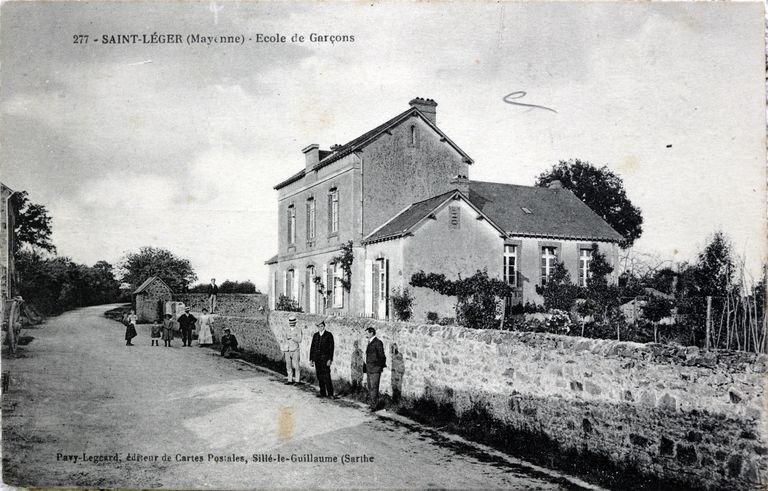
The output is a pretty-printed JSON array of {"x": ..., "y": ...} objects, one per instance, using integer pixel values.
[{"x": 81, "y": 405}]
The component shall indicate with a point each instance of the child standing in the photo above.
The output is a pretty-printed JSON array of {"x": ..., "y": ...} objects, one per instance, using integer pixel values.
[
  {"x": 157, "y": 330},
  {"x": 167, "y": 329},
  {"x": 130, "y": 327}
]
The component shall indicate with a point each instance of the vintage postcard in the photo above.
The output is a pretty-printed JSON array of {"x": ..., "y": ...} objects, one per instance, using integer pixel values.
[{"x": 383, "y": 245}]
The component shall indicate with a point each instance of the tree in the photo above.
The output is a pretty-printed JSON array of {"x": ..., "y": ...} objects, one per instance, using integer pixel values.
[
  {"x": 655, "y": 309},
  {"x": 176, "y": 272},
  {"x": 559, "y": 292},
  {"x": 601, "y": 190},
  {"x": 32, "y": 223}
]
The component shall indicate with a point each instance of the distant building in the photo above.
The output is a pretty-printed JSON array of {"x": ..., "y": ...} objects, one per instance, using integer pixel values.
[
  {"x": 400, "y": 193},
  {"x": 149, "y": 299},
  {"x": 7, "y": 247}
]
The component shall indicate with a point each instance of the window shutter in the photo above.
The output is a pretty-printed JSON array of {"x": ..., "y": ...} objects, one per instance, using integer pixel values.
[
  {"x": 368, "y": 288},
  {"x": 375, "y": 292},
  {"x": 331, "y": 286},
  {"x": 338, "y": 210},
  {"x": 288, "y": 225},
  {"x": 330, "y": 213},
  {"x": 386, "y": 288},
  {"x": 308, "y": 235}
]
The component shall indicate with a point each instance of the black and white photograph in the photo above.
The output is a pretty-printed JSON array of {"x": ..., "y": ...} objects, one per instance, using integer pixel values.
[{"x": 383, "y": 245}]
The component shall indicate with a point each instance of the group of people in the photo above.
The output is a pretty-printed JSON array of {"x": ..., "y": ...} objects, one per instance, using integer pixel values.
[
  {"x": 321, "y": 358},
  {"x": 186, "y": 322}
]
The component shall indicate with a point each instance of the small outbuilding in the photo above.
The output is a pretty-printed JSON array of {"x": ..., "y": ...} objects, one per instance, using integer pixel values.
[{"x": 149, "y": 299}]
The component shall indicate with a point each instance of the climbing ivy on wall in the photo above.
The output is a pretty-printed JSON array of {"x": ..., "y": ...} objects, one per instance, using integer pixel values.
[
  {"x": 478, "y": 296},
  {"x": 345, "y": 260}
]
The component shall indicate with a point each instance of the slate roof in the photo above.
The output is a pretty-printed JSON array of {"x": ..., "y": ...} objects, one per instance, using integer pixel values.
[
  {"x": 328, "y": 157},
  {"x": 148, "y": 282},
  {"x": 271, "y": 260},
  {"x": 554, "y": 213}
]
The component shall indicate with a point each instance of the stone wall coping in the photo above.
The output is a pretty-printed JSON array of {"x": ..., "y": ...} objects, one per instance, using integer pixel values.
[{"x": 736, "y": 361}]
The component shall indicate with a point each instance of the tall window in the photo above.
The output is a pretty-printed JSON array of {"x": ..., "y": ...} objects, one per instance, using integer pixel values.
[
  {"x": 548, "y": 258},
  {"x": 585, "y": 257},
  {"x": 382, "y": 280},
  {"x": 311, "y": 219},
  {"x": 333, "y": 211},
  {"x": 413, "y": 136},
  {"x": 291, "y": 224},
  {"x": 510, "y": 264},
  {"x": 289, "y": 284},
  {"x": 338, "y": 288}
]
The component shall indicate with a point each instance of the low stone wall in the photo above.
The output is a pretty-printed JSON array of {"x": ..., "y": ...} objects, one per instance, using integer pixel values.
[
  {"x": 677, "y": 413},
  {"x": 227, "y": 304}
]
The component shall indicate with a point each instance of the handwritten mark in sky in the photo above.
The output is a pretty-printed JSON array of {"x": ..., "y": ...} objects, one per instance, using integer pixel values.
[{"x": 509, "y": 99}]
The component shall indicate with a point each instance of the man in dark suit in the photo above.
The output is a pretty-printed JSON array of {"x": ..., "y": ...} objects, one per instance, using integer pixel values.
[
  {"x": 321, "y": 357},
  {"x": 213, "y": 292},
  {"x": 375, "y": 361},
  {"x": 186, "y": 324}
]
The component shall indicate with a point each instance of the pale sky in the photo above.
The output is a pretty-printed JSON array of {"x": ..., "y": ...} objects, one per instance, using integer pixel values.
[{"x": 179, "y": 146}]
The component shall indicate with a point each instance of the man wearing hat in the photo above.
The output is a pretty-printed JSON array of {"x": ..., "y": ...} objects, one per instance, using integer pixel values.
[
  {"x": 321, "y": 356},
  {"x": 375, "y": 361},
  {"x": 229, "y": 344},
  {"x": 290, "y": 348},
  {"x": 186, "y": 324}
]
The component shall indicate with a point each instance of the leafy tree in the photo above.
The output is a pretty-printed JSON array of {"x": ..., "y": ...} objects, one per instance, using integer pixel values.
[
  {"x": 655, "y": 309},
  {"x": 56, "y": 284},
  {"x": 176, "y": 272},
  {"x": 402, "y": 304},
  {"x": 601, "y": 190},
  {"x": 227, "y": 287},
  {"x": 32, "y": 223},
  {"x": 559, "y": 292}
]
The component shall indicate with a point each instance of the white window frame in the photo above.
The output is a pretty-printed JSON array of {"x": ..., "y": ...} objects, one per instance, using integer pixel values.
[
  {"x": 584, "y": 261},
  {"x": 334, "y": 211},
  {"x": 510, "y": 253},
  {"x": 290, "y": 283},
  {"x": 549, "y": 254},
  {"x": 338, "y": 288},
  {"x": 312, "y": 205},
  {"x": 291, "y": 224}
]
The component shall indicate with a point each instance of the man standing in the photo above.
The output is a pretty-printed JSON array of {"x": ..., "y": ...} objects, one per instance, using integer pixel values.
[
  {"x": 213, "y": 290},
  {"x": 321, "y": 357},
  {"x": 375, "y": 361},
  {"x": 186, "y": 324},
  {"x": 290, "y": 348}
]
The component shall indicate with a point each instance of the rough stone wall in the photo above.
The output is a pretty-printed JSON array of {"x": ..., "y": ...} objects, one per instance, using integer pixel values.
[
  {"x": 674, "y": 412},
  {"x": 227, "y": 304},
  {"x": 149, "y": 302}
]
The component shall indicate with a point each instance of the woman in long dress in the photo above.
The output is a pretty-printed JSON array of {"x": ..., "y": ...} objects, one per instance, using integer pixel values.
[{"x": 204, "y": 329}]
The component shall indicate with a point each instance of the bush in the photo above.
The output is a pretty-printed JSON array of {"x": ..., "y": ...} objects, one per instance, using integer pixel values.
[
  {"x": 287, "y": 304},
  {"x": 402, "y": 304},
  {"x": 432, "y": 317}
]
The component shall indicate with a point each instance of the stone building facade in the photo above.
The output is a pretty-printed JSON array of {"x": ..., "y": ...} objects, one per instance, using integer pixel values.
[
  {"x": 7, "y": 247},
  {"x": 149, "y": 299},
  {"x": 400, "y": 194}
]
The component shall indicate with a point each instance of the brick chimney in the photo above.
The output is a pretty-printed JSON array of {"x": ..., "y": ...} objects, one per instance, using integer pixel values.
[
  {"x": 312, "y": 155},
  {"x": 556, "y": 184},
  {"x": 461, "y": 183},
  {"x": 428, "y": 107}
]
